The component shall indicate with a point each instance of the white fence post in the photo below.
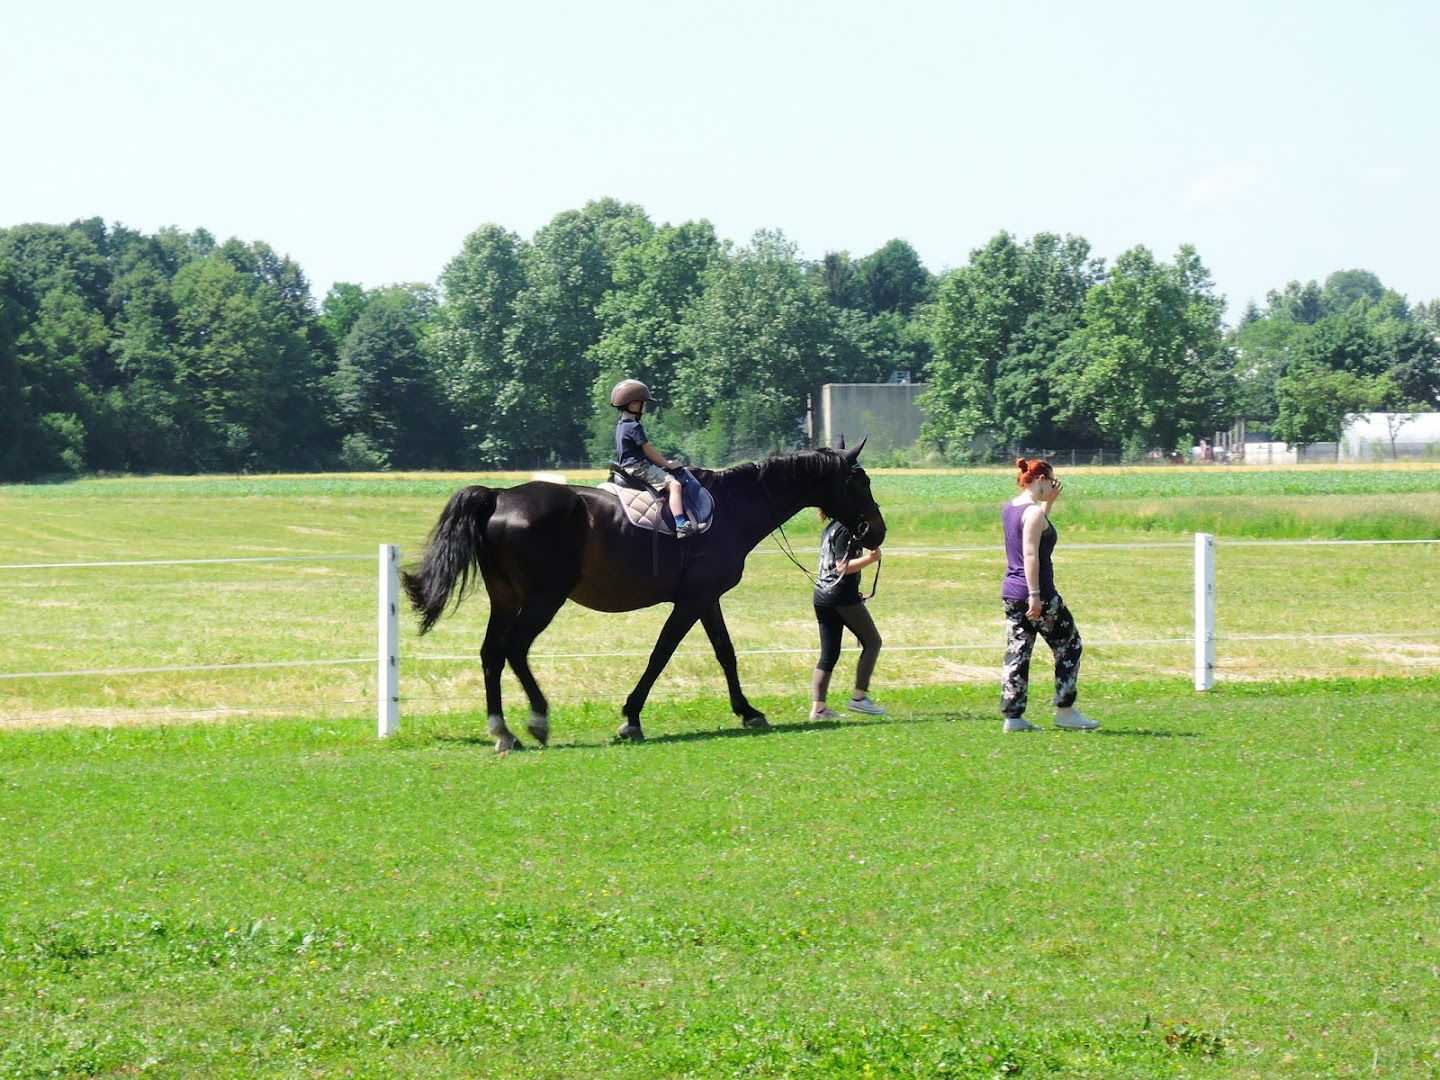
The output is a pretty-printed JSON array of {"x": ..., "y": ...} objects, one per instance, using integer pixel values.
[
  {"x": 387, "y": 680},
  {"x": 1204, "y": 611}
]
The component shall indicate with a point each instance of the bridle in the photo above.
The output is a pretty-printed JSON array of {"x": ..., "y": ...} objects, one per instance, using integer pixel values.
[{"x": 859, "y": 530}]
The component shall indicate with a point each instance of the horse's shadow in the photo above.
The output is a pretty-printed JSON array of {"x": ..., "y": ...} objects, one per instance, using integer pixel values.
[{"x": 799, "y": 727}]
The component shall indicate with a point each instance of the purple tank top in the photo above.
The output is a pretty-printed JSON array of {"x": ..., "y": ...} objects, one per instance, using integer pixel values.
[{"x": 1013, "y": 587}]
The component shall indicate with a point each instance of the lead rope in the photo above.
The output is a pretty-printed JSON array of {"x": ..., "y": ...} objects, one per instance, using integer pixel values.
[
  {"x": 784, "y": 544},
  {"x": 876, "y": 583}
]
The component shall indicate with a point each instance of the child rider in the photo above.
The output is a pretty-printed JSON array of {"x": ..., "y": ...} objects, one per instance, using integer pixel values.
[{"x": 634, "y": 452}]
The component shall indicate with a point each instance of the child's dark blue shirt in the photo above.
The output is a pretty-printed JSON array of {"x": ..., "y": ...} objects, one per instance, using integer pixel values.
[{"x": 630, "y": 441}]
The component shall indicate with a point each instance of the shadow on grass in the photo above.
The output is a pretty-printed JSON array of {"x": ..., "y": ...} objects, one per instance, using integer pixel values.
[{"x": 799, "y": 727}]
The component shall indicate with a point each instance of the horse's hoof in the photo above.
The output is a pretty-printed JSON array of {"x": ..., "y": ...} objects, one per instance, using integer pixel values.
[
  {"x": 508, "y": 743},
  {"x": 630, "y": 733},
  {"x": 757, "y": 721},
  {"x": 539, "y": 728}
]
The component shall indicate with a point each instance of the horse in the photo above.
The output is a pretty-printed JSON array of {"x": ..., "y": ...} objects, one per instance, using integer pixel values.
[{"x": 539, "y": 544}]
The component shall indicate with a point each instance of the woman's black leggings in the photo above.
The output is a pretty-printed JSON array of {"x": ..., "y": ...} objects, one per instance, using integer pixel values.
[{"x": 834, "y": 621}]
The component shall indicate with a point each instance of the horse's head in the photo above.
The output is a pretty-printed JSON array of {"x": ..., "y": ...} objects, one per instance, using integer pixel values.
[{"x": 846, "y": 497}]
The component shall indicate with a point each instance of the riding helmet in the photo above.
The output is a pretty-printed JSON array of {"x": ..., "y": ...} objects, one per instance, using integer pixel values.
[{"x": 627, "y": 391}]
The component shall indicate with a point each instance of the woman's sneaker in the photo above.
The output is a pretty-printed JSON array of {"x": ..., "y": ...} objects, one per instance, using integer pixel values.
[
  {"x": 1075, "y": 720},
  {"x": 1019, "y": 723},
  {"x": 824, "y": 713},
  {"x": 865, "y": 705}
]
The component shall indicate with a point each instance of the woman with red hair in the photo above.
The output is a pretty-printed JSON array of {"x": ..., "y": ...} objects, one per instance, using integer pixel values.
[{"x": 1032, "y": 606}]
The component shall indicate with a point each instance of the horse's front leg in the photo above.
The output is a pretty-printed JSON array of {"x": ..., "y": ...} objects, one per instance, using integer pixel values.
[
  {"x": 682, "y": 618},
  {"x": 714, "y": 623}
]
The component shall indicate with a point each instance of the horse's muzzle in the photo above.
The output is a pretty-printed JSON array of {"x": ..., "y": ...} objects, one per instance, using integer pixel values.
[{"x": 871, "y": 534}]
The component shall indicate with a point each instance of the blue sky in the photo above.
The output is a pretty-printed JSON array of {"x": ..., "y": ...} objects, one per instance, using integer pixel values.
[{"x": 365, "y": 140}]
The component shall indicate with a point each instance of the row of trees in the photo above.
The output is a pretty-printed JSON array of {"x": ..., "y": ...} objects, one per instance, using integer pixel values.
[
  {"x": 1316, "y": 355},
  {"x": 173, "y": 352},
  {"x": 1037, "y": 344}
]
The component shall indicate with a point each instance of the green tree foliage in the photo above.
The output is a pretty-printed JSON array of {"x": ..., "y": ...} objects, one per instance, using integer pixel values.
[
  {"x": 339, "y": 311},
  {"x": 837, "y": 275},
  {"x": 542, "y": 413},
  {"x": 516, "y": 330},
  {"x": 1297, "y": 303},
  {"x": 1345, "y": 289},
  {"x": 177, "y": 352},
  {"x": 143, "y": 339},
  {"x": 1264, "y": 349},
  {"x": 760, "y": 337},
  {"x": 1315, "y": 402},
  {"x": 653, "y": 283},
  {"x": 236, "y": 355},
  {"x": 472, "y": 327},
  {"x": 61, "y": 281},
  {"x": 1354, "y": 327},
  {"x": 1414, "y": 368},
  {"x": 16, "y": 427},
  {"x": 891, "y": 279},
  {"x": 1149, "y": 365},
  {"x": 388, "y": 396},
  {"x": 997, "y": 326}
]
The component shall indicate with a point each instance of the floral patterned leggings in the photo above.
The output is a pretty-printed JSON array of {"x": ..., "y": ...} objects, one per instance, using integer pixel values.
[{"x": 1057, "y": 627}]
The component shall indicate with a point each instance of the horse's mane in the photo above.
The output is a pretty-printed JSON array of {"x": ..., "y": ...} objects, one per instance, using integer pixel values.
[{"x": 798, "y": 466}]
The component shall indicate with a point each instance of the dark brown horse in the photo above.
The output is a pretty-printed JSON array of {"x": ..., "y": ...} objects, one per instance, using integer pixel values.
[{"x": 539, "y": 544}]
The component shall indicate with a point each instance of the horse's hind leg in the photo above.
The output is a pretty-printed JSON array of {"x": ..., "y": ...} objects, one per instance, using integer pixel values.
[
  {"x": 714, "y": 622},
  {"x": 529, "y": 624},
  {"x": 492, "y": 663}
]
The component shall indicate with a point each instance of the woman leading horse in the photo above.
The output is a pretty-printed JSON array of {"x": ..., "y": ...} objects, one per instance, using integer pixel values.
[{"x": 539, "y": 544}]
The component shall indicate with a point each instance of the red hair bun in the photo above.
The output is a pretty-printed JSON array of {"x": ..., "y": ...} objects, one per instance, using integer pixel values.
[{"x": 1032, "y": 470}]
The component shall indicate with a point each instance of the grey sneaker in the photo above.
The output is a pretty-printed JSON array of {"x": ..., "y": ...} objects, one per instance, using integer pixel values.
[
  {"x": 824, "y": 713},
  {"x": 1019, "y": 723},
  {"x": 1075, "y": 720},
  {"x": 865, "y": 705}
]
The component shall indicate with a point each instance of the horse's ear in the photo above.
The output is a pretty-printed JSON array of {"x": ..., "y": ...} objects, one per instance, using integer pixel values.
[
  {"x": 840, "y": 443},
  {"x": 853, "y": 454}
]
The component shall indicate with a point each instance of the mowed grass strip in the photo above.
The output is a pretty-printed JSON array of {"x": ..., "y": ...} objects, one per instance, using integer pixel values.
[{"x": 1237, "y": 884}]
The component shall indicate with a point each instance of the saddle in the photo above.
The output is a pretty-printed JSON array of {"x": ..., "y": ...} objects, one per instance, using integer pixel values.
[{"x": 646, "y": 508}]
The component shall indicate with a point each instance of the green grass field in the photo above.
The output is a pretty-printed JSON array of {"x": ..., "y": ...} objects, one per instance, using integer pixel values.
[
  {"x": 1233, "y": 884},
  {"x": 1283, "y": 605}
]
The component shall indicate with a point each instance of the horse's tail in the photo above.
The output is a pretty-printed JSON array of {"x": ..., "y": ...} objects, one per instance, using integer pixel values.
[{"x": 453, "y": 554}]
